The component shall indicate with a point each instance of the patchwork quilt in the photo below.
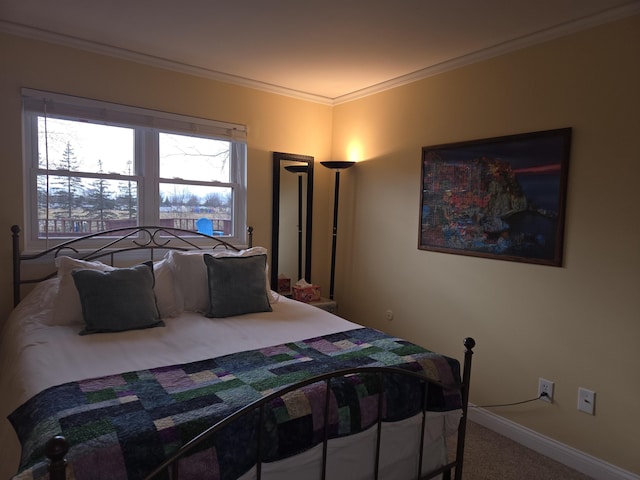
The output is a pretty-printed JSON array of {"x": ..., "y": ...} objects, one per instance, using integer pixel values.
[{"x": 123, "y": 426}]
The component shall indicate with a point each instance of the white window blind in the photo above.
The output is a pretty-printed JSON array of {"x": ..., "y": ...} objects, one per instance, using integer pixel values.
[{"x": 87, "y": 109}]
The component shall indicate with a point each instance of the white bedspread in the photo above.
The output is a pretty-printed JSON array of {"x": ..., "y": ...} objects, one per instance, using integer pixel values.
[{"x": 34, "y": 356}]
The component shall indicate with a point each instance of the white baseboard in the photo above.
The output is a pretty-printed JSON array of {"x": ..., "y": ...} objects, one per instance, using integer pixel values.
[{"x": 569, "y": 456}]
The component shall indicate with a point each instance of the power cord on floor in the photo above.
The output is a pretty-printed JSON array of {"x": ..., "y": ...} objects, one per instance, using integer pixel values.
[{"x": 543, "y": 394}]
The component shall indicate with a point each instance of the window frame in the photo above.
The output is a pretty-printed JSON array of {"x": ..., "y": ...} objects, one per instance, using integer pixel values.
[{"x": 147, "y": 125}]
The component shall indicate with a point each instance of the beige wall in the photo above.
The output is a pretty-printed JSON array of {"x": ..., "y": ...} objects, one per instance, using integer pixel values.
[
  {"x": 578, "y": 325},
  {"x": 275, "y": 123}
]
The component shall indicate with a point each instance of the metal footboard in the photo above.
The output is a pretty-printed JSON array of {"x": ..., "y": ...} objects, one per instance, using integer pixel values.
[{"x": 57, "y": 447}]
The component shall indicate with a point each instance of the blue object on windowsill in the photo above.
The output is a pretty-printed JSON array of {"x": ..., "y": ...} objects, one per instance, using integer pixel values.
[{"x": 204, "y": 225}]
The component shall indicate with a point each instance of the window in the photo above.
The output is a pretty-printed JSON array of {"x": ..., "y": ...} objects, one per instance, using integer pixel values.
[{"x": 93, "y": 166}]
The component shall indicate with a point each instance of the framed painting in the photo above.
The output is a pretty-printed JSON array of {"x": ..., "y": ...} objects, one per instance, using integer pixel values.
[{"x": 502, "y": 198}]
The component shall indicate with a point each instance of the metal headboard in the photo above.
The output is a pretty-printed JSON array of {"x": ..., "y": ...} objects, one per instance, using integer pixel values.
[{"x": 116, "y": 242}]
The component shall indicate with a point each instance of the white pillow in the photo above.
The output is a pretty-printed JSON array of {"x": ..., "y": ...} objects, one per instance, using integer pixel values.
[
  {"x": 67, "y": 309},
  {"x": 165, "y": 290},
  {"x": 190, "y": 275}
]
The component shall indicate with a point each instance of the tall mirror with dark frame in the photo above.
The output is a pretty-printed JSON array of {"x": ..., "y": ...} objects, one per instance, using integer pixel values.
[{"x": 292, "y": 219}]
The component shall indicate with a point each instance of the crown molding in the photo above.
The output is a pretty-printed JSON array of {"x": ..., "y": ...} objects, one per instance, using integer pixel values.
[
  {"x": 475, "y": 57},
  {"x": 497, "y": 50},
  {"x": 153, "y": 61}
]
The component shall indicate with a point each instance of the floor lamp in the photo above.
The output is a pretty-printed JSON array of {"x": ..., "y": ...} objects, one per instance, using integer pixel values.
[
  {"x": 336, "y": 165},
  {"x": 299, "y": 170}
]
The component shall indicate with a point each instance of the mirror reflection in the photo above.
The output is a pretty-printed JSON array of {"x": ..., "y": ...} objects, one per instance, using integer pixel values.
[{"x": 291, "y": 229}]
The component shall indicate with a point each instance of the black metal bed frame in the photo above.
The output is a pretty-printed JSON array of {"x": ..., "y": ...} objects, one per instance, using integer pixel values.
[
  {"x": 159, "y": 238},
  {"x": 116, "y": 241}
]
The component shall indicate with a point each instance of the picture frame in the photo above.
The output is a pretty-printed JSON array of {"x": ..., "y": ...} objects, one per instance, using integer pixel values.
[{"x": 500, "y": 198}]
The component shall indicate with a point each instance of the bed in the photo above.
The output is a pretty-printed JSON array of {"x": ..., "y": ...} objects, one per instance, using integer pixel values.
[{"x": 183, "y": 361}]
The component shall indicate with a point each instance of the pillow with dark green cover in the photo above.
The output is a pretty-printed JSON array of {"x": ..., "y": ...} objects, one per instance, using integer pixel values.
[
  {"x": 236, "y": 285},
  {"x": 117, "y": 300}
]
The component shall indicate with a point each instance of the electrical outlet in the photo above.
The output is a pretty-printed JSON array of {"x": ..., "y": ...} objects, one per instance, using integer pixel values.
[
  {"x": 586, "y": 401},
  {"x": 545, "y": 390}
]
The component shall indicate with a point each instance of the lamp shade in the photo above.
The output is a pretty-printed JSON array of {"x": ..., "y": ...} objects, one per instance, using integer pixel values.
[
  {"x": 296, "y": 168},
  {"x": 338, "y": 164}
]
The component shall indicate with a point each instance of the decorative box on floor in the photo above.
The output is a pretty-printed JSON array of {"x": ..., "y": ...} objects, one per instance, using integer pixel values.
[{"x": 306, "y": 293}]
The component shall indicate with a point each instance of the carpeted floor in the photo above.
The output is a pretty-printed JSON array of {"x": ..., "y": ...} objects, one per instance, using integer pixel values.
[{"x": 490, "y": 456}]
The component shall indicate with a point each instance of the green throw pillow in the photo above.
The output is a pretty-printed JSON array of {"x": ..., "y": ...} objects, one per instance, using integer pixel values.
[
  {"x": 117, "y": 300},
  {"x": 236, "y": 285}
]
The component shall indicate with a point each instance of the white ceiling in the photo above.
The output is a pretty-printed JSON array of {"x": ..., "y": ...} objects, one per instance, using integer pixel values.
[{"x": 327, "y": 51}]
